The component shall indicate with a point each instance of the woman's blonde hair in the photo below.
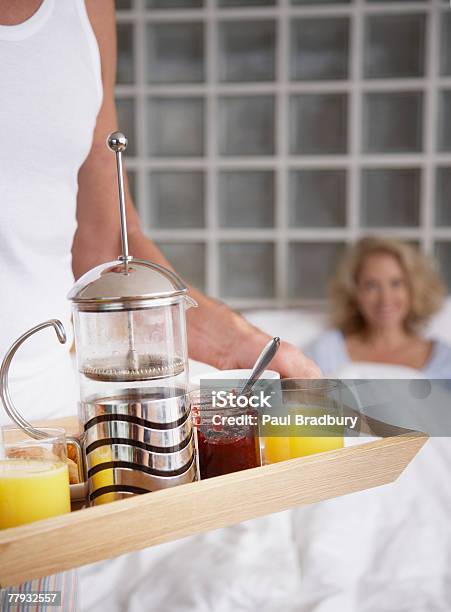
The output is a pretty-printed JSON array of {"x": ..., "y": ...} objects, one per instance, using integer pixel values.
[{"x": 426, "y": 288}]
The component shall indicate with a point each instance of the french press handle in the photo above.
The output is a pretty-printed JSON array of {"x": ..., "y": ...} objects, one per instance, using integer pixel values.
[{"x": 5, "y": 395}]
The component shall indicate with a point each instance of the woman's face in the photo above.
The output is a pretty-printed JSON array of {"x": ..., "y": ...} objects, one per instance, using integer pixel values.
[{"x": 383, "y": 294}]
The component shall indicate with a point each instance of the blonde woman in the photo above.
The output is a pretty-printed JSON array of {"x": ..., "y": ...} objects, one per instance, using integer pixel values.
[{"x": 383, "y": 294}]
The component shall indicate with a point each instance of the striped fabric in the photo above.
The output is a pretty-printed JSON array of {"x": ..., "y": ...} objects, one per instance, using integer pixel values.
[{"x": 66, "y": 582}]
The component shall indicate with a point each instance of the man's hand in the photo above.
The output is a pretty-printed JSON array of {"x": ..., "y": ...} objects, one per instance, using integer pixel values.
[
  {"x": 222, "y": 338},
  {"x": 289, "y": 361}
]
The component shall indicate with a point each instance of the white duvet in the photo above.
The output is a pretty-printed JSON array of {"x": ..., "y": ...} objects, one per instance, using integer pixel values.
[
  {"x": 251, "y": 566},
  {"x": 386, "y": 549},
  {"x": 382, "y": 550}
]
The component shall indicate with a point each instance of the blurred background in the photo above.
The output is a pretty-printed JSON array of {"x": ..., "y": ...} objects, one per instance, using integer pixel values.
[{"x": 266, "y": 134}]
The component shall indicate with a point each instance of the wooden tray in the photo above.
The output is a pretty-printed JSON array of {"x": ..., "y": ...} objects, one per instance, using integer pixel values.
[{"x": 102, "y": 532}]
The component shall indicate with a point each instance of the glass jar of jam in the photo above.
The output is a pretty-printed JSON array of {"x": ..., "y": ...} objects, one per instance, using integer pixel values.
[{"x": 227, "y": 437}]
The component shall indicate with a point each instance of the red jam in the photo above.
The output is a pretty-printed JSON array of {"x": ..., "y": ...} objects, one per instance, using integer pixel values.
[{"x": 222, "y": 452}]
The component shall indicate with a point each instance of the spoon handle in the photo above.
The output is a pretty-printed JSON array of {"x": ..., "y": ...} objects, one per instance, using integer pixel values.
[{"x": 263, "y": 360}]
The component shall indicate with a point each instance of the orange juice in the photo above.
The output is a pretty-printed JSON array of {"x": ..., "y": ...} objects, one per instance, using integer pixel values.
[
  {"x": 32, "y": 489},
  {"x": 104, "y": 478},
  {"x": 293, "y": 441},
  {"x": 281, "y": 448}
]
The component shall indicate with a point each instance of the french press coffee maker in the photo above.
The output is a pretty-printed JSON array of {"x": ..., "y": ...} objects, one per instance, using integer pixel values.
[{"x": 132, "y": 358}]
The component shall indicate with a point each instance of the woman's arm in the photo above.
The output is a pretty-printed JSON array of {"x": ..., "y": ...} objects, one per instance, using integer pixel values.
[{"x": 216, "y": 334}]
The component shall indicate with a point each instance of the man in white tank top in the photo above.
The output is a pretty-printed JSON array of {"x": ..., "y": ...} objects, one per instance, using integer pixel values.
[{"x": 58, "y": 204}]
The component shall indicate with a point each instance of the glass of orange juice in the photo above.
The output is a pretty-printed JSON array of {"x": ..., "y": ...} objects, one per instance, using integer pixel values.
[
  {"x": 34, "y": 477},
  {"x": 300, "y": 425}
]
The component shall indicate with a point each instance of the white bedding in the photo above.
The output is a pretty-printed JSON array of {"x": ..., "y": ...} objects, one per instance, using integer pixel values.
[
  {"x": 383, "y": 550},
  {"x": 251, "y": 566}
]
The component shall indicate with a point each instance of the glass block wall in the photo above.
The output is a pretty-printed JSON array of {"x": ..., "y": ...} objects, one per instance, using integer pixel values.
[{"x": 267, "y": 134}]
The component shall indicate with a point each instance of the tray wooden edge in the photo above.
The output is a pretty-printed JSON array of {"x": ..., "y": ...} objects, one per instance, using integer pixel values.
[{"x": 82, "y": 537}]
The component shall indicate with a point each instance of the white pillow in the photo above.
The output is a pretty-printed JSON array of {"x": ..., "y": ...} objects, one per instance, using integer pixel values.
[
  {"x": 440, "y": 325},
  {"x": 298, "y": 326}
]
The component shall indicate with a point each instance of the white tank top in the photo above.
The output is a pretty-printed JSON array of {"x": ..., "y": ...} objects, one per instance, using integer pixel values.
[{"x": 50, "y": 94}]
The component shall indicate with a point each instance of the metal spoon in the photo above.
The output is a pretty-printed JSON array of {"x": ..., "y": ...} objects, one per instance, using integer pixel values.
[{"x": 263, "y": 360}]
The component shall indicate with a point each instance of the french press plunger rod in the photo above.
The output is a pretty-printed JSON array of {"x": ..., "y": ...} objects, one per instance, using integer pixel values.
[{"x": 117, "y": 142}]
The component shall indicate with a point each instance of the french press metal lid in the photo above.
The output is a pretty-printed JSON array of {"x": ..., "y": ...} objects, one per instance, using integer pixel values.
[{"x": 130, "y": 286}]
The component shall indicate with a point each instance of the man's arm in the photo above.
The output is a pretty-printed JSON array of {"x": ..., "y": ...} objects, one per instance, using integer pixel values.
[{"x": 216, "y": 334}]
